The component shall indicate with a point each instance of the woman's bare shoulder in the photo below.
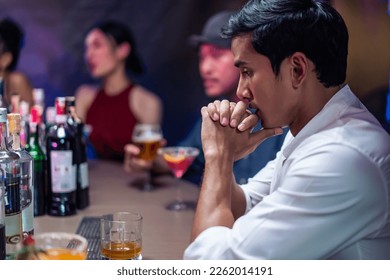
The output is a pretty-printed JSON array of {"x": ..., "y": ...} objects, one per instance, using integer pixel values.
[
  {"x": 86, "y": 92},
  {"x": 147, "y": 105},
  {"x": 85, "y": 95},
  {"x": 17, "y": 77}
]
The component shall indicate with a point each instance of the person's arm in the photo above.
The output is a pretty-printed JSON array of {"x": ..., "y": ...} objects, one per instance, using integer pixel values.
[
  {"x": 19, "y": 84},
  {"x": 85, "y": 95},
  {"x": 221, "y": 200},
  {"x": 316, "y": 195},
  {"x": 147, "y": 108}
]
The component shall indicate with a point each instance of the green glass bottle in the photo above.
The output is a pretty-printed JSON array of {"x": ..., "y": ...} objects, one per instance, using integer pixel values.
[{"x": 35, "y": 150}]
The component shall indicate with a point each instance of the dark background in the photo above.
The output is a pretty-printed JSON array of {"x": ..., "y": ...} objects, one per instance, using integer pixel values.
[{"x": 52, "y": 56}]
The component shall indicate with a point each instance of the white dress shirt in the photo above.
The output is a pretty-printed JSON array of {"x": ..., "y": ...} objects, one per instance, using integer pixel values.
[{"x": 325, "y": 196}]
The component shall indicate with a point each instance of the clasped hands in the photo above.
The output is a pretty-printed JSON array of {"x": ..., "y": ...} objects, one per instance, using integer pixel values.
[{"x": 226, "y": 130}]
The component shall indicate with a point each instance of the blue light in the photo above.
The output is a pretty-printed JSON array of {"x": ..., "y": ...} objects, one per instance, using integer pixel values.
[{"x": 388, "y": 105}]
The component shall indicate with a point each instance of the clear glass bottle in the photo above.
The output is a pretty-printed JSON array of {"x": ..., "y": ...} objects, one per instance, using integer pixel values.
[
  {"x": 34, "y": 148},
  {"x": 26, "y": 175},
  {"x": 74, "y": 122},
  {"x": 61, "y": 161},
  {"x": 10, "y": 177}
]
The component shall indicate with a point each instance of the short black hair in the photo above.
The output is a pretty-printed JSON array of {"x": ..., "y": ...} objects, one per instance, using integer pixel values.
[
  {"x": 280, "y": 28},
  {"x": 121, "y": 33},
  {"x": 11, "y": 40}
]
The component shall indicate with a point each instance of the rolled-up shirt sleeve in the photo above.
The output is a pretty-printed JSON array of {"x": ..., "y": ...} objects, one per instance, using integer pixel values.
[{"x": 318, "y": 195}]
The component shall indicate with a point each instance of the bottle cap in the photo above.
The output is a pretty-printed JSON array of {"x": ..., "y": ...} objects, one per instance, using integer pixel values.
[
  {"x": 38, "y": 95},
  {"x": 14, "y": 123},
  {"x": 3, "y": 115},
  {"x": 50, "y": 114},
  {"x": 60, "y": 106},
  {"x": 70, "y": 101},
  {"x": 24, "y": 108},
  {"x": 35, "y": 116}
]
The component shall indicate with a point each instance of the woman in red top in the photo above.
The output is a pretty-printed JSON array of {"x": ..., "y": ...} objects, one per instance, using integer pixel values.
[{"x": 113, "y": 109}]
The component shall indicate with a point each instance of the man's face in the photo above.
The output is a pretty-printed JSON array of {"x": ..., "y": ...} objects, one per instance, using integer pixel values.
[
  {"x": 271, "y": 95},
  {"x": 219, "y": 75}
]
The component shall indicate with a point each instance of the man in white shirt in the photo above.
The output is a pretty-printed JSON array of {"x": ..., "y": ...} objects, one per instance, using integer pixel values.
[{"x": 327, "y": 193}]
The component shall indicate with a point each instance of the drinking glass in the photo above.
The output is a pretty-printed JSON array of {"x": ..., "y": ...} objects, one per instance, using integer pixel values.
[
  {"x": 121, "y": 236},
  {"x": 148, "y": 138},
  {"x": 61, "y": 246},
  {"x": 178, "y": 160}
]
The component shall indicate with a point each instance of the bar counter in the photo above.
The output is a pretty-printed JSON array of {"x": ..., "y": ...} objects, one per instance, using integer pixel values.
[{"x": 165, "y": 233}]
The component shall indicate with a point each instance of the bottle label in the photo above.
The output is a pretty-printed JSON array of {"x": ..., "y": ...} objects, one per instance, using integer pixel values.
[
  {"x": 26, "y": 198},
  {"x": 63, "y": 172},
  {"x": 84, "y": 180},
  {"x": 12, "y": 196},
  {"x": 13, "y": 217}
]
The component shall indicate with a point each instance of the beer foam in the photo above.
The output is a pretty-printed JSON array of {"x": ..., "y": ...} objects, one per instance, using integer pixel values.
[{"x": 148, "y": 136}]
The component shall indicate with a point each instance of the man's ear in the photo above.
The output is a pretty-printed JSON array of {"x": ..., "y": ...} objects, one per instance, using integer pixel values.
[
  {"x": 299, "y": 67},
  {"x": 123, "y": 50},
  {"x": 5, "y": 60}
]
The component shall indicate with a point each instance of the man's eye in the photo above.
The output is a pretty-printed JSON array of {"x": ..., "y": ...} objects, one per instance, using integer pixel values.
[{"x": 246, "y": 72}]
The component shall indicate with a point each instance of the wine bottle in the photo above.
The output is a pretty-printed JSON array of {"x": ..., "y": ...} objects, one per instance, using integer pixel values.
[
  {"x": 74, "y": 122},
  {"x": 3, "y": 101},
  {"x": 60, "y": 147},
  {"x": 10, "y": 179},
  {"x": 39, "y": 105},
  {"x": 39, "y": 178},
  {"x": 26, "y": 174}
]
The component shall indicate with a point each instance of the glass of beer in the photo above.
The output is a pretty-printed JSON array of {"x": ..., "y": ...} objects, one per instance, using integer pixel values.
[
  {"x": 148, "y": 138},
  {"x": 61, "y": 246},
  {"x": 121, "y": 236}
]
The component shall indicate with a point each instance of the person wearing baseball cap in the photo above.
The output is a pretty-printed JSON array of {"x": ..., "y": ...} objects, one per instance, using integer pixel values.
[{"x": 220, "y": 80}]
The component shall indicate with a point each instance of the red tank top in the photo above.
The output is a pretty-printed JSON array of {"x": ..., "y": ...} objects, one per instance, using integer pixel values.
[{"x": 112, "y": 123}]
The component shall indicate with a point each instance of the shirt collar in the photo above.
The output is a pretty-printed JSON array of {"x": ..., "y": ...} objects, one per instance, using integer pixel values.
[{"x": 330, "y": 113}]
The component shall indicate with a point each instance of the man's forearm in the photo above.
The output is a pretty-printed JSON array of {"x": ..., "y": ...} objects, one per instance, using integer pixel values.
[{"x": 215, "y": 202}]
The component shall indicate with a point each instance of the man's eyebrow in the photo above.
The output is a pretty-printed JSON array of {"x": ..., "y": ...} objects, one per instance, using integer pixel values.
[{"x": 239, "y": 63}]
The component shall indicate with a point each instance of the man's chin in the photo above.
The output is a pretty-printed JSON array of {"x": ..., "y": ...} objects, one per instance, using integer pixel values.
[{"x": 213, "y": 93}]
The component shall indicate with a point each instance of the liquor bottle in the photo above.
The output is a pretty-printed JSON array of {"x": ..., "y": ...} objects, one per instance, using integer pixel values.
[
  {"x": 15, "y": 102},
  {"x": 61, "y": 162},
  {"x": 39, "y": 178},
  {"x": 39, "y": 104},
  {"x": 26, "y": 174},
  {"x": 24, "y": 109},
  {"x": 74, "y": 122},
  {"x": 50, "y": 117},
  {"x": 39, "y": 100},
  {"x": 2, "y": 222},
  {"x": 10, "y": 177},
  {"x": 3, "y": 103}
]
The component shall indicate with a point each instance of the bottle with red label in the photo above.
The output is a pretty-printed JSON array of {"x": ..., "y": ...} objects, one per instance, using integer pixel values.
[{"x": 61, "y": 162}]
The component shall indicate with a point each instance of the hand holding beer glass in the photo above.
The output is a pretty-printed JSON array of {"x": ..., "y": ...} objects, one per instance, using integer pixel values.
[{"x": 148, "y": 138}]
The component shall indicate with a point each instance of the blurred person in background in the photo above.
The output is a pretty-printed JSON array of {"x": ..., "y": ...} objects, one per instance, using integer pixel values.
[
  {"x": 113, "y": 108},
  {"x": 220, "y": 79},
  {"x": 15, "y": 82}
]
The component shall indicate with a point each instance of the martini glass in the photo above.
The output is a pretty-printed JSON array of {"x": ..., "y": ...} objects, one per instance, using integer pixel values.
[{"x": 178, "y": 160}]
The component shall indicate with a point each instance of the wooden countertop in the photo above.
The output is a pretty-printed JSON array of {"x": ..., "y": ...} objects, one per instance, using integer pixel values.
[{"x": 165, "y": 233}]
